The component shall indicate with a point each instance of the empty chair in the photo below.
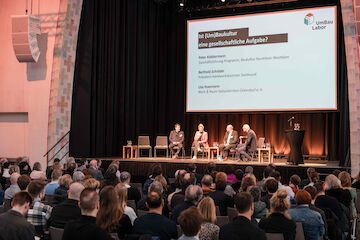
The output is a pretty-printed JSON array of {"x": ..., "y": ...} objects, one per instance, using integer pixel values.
[
  {"x": 141, "y": 212},
  {"x": 274, "y": 236},
  {"x": 222, "y": 220},
  {"x": 56, "y": 233},
  {"x": 299, "y": 231},
  {"x": 161, "y": 144},
  {"x": 232, "y": 213},
  {"x": 144, "y": 144}
]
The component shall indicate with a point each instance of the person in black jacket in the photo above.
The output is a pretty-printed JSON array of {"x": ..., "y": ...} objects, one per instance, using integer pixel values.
[
  {"x": 279, "y": 220},
  {"x": 133, "y": 193},
  {"x": 221, "y": 200},
  {"x": 241, "y": 227}
]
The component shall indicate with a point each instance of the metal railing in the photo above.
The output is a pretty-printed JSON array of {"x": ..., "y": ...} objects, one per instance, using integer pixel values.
[{"x": 56, "y": 144}]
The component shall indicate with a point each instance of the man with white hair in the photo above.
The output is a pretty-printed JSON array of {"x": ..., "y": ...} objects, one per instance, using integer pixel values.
[
  {"x": 133, "y": 193},
  {"x": 249, "y": 147},
  {"x": 14, "y": 188},
  {"x": 95, "y": 171},
  {"x": 69, "y": 209},
  {"x": 231, "y": 138}
]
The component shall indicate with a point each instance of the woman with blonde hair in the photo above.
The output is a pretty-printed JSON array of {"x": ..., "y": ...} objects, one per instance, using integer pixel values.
[
  {"x": 279, "y": 220},
  {"x": 200, "y": 140},
  {"x": 208, "y": 231},
  {"x": 345, "y": 180},
  {"x": 162, "y": 180},
  {"x": 92, "y": 183},
  {"x": 121, "y": 191},
  {"x": 61, "y": 193}
]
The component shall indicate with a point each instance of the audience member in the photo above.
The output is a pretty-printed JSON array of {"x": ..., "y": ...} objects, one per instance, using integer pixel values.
[
  {"x": 193, "y": 195},
  {"x": 222, "y": 200},
  {"x": 207, "y": 185},
  {"x": 110, "y": 178},
  {"x": 239, "y": 174},
  {"x": 23, "y": 181},
  {"x": 14, "y": 187},
  {"x": 161, "y": 179},
  {"x": 54, "y": 184},
  {"x": 49, "y": 169},
  {"x": 61, "y": 193},
  {"x": 154, "y": 222},
  {"x": 231, "y": 178},
  {"x": 356, "y": 182},
  {"x": 121, "y": 190},
  {"x": 307, "y": 180},
  {"x": 25, "y": 168},
  {"x": 345, "y": 180},
  {"x": 69, "y": 209},
  {"x": 82, "y": 164},
  {"x": 190, "y": 222},
  {"x": 94, "y": 170},
  {"x": 333, "y": 188},
  {"x": 211, "y": 169},
  {"x": 208, "y": 231},
  {"x": 271, "y": 186},
  {"x": 247, "y": 182},
  {"x": 78, "y": 176},
  {"x": 13, "y": 224},
  {"x": 241, "y": 228},
  {"x": 70, "y": 167},
  {"x": 336, "y": 173},
  {"x": 85, "y": 227},
  {"x": 294, "y": 183},
  {"x": 155, "y": 186},
  {"x": 133, "y": 193},
  {"x": 259, "y": 206},
  {"x": 266, "y": 174},
  {"x": 279, "y": 220},
  {"x": 249, "y": 170},
  {"x": 37, "y": 173},
  {"x": 155, "y": 170},
  {"x": 277, "y": 176},
  {"x": 191, "y": 168},
  {"x": 186, "y": 180},
  {"x": 92, "y": 183}
]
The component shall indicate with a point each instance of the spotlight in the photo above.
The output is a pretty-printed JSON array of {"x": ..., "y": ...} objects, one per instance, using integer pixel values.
[
  {"x": 223, "y": 1},
  {"x": 182, "y": 3}
]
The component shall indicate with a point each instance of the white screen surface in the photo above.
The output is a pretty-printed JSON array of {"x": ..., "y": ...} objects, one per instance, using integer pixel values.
[{"x": 277, "y": 61}]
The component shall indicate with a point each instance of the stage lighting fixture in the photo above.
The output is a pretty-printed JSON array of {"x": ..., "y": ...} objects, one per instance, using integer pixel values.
[
  {"x": 182, "y": 3},
  {"x": 222, "y": 1}
]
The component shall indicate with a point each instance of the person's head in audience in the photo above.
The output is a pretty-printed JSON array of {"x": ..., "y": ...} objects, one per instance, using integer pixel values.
[
  {"x": 276, "y": 175},
  {"x": 239, "y": 174},
  {"x": 186, "y": 180},
  {"x": 56, "y": 160},
  {"x": 154, "y": 202},
  {"x": 201, "y": 127},
  {"x": 87, "y": 173},
  {"x": 122, "y": 193},
  {"x": 89, "y": 202},
  {"x": 246, "y": 183},
  {"x": 13, "y": 169},
  {"x": 229, "y": 169},
  {"x": 116, "y": 164},
  {"x": 37, "y": 166},
  {"x": 193, "y": 194},
  {"x": 314, "y": 177},
  {"x": 302, "y": 197},
  {"x": 255, "y": 192},
  {"x": 332, "y": 182},
  {"x": 312, "y": 191},
  {"x": 179, "y": 175},
  {"x": 319, "y": 186},
  {"x": 14, "y": 178},
  {"x": 70, "y": 167},
  {"x": 280, "y": 203},
  {"x": 309, "y": 171},
  {"x": 357, "y": 178},
  {"x": 336, "y": 172},
  {"x": 207, "y": 209},
  {"x": 110, "y": 175},
  {"x": 271, "y": 185},
  {"x": 244, "y": 203},
  {"x": 24, "y": 168},
  {"x": 78, "y": 176},
  {"x": 210, "y": 168},
  {"x": 177, "y": 127},
  {"x": 246, "y": 128},
  {"x": 295, "y": 180},
  {"x": 272, "y": 165},
  {"x": 220, "y": 181},
  {"x": 55, "y": 175},
  {"x": 93, "y": 164},
  {"x": 156, "y": 186},
  {"x": 65, "y": 181},
  {"x": 249, "y": 170},
  {"x": 57, "y": 165},
  {"x": 267, "y": 172},
  {"x": 21, "y": 202},
  {"x": 190, "y": 222},
  {"x": 109, "y": 213},
  {"x": 75, "y": 190},
  {"x": 92, "y": 183},
  {"x": 191, "y": 168},
  {"x": 155, "y": 170},
  {"x": 345, "y": 179},
  {"x": 23, "y": 181},
  {"x": 36, "y": 189},
  {"x": 207, "y": 181},
  {"x": 161, "y": 179},
  {"x": 125, "y": 177}
]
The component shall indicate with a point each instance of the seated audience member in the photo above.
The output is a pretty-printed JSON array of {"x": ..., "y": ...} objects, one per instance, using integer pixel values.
[
  {"x": 155, "y": 170},
  {"x": 111, "y": 217},
  {"x": 277, "y": 176},
  {"x": 259, "y": 206},
  {"x": 121, "y": 190},
  {"x": 161, "y": 179},
  {"x": 37, "y": 173},
  {"x": 336, "y": 173},
  {"x": 193, "y": 195},
  {"x": 133, "y": 193},
  {"x": 222, "y": 200},
  {"x": 247, "y": 182},
  {"x": 23, "y": 181},
  {"x": 61, "y": 192},
  {"x": 176, "y": 139},
  {"x": 333, "y": 188},
  {"x": 82, "y": 164},
  {"x": 294, "y": 183},
  {"x": 92, "y": 183},
  {"x": 175, "y": 186},
  {"x": 231, "y": 139},
  {"x": 239, "y": 174},
  {"x": 266, "y": 174},
  {"x": 190, "y": 222},
  {"x": 211, "y": 169},
  {"x": 307, "y": 180},
  {"x": 154, "y": 187},
  {"x": 49, "y": 169},
  {"x": 110, "y": 178},
  {"x": 14, "y": 187},
  {"x": 207, "y": 185},
  {"x": 154, "y": 222},
  {"x": 245, "y": 150},
  {"x": 13, "y": 224},
  {"x": 54, "y": 184},
  {"x": 312, "y": 222},
  {"x": 78, "y": 176},
  {"x": 200, "y": 142},
  {"x": 249, "y": 170},
  {"x": 69, "y": 209},
  {"x": 356, "y": 182},
  {"x": 94, "y": 170},
  {"x": 209, "y": 230},
  {"x": 241, "y": 228},
  {"x": 39, "y": 213},
  {"x": 279, "y": 220},
  {"x": 70, "y": 167},
  {"x": 191, "y": 168},
  {"x": 271, "y": 186},
  {"x": 85, "y": 227},
  {"x": 24, "y": 168},
  {"x": 345, "y": 180},
  {"x": 178, "y": 198}
]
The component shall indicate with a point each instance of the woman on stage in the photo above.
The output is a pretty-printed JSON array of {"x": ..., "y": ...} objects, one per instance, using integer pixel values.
[{"x": 200, "y": 140}]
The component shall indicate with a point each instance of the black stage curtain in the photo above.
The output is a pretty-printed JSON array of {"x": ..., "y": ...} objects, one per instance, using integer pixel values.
[{"x": 130, "y": 80}]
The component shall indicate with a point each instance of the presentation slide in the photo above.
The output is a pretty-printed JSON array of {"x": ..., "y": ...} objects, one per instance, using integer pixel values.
[{"x": 275, "y": 61}]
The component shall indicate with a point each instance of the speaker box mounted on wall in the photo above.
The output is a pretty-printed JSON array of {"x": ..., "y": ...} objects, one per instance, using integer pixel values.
[{"x": 25, "y": 29}]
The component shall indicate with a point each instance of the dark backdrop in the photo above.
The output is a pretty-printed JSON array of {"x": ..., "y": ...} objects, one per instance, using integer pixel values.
[{"x": 130, "y": 80}]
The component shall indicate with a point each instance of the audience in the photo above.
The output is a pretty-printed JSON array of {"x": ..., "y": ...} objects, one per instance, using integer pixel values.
[
  {"x": 78, "y": 176},
  {"x": 185, "y": 180},
  {"x": 132, "y": 193},
  {"x": 345, "y": 180},
  {"x": 54, "y": 184},
  {"x": 61, "y": 193},
  {"x": 294, "y": 183},
  {"x": 239, "y": 174},
  {"x": 49, "y": 169},
  {"x": 69, "y": 209},
  {"x": 155, "y": 170},
  {"x": 271, "y": 186},
  {"x": 356, "y": 182},
  {"x": 92, "y": 183},
  {"x": 333, "y": 189},
  {"x": 193, "y": 195},
  {"x": 121, "y": 191},
  {"x": 241, "y": 228},
  {"x": 13, "y": 224},
  {"x": 190, "y": 222},
  {"x": 94, "y": 170},
  {"x": 222, "y": 200},
  {"x": 85, "y": 227},
  {"x": 259, "y": 206},
  {"x": 37, "y": 173},
  {"x": 23, "y": 181},
  {"x": 279, "y": 220},
  {"x": 207, "y": 185},
  {"x": 110, "y": 178},
  {"x": 208, "y": 231},
  {"x": 307, "y": 180},
  {"x": 13, "y": 188},
  {"x": 247, "y": 182}
]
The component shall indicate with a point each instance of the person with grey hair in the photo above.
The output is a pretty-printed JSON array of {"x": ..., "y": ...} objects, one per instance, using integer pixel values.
[
  {"x": 207, "y": 185},
  {"x": 95, "y": 171},
  {"x": 333, "y": 189},
  {"x": 245, "y": 150},
  {"x": 133, "y": 193},
  {"x": 193, "y": 195},
  {"x": 78, "y": 176}
]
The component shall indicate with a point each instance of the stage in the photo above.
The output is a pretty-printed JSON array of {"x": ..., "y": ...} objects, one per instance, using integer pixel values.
[{"x": 139, "y": 167}]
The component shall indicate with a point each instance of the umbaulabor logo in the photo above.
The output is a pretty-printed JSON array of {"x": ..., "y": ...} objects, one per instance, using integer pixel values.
[{"x": 309, "y": 19}]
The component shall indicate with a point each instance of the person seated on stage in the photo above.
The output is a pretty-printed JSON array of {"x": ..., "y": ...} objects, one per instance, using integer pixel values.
[
  {"x": 200, "y": 140},
  {"x": 231, "y": 138},
  {"x": 176, "y": 141},
  {"x": 249, "y": 147}
]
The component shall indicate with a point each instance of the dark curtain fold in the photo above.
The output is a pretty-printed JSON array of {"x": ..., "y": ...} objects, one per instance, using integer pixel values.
[{"x": 130, "y": 80}]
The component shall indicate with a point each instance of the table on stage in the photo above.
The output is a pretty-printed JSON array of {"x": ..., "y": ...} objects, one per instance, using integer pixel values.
[
  {"x": 211, "y": 152},
  {"x": 129, "y": 151},
  {"x": 295, "y": 139}
]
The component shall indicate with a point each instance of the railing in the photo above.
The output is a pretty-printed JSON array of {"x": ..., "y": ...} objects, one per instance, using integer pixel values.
[{"x": 56, "y": 144}]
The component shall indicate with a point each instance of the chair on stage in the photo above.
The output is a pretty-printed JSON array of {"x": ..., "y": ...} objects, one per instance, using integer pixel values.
[
  {"x": 162, "y": 144},
  {"x": 203, "y": 151},
  {"x": 144, "y": 144}
]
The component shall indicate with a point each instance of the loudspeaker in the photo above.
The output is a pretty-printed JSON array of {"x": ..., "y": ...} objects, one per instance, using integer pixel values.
[{"x": 25, "y": 29}]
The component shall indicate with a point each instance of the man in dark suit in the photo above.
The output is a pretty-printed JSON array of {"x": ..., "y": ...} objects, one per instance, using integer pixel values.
[
  {"x": 249, "y": 147},
  {"x": 176, "y": 141},
  {"x": 241, "y": 227},
  {"x": 95, "y": 171},
  {"x": 230, "y": 141}
]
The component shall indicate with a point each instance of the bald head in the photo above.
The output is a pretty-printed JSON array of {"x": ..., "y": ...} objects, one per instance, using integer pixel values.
[
  {"x": 75, "y": 190},
  {"x": 246, "y": 127},
  {"x": 14, "y": 177},
  {"x": 193, "y": 194},
  {"x": 229, "y": 128},
  {"x": 93, "y": 163}
]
